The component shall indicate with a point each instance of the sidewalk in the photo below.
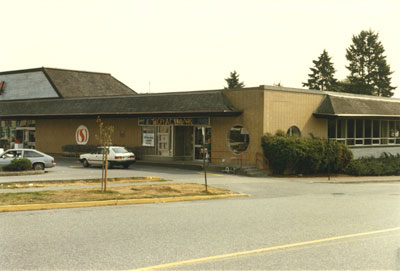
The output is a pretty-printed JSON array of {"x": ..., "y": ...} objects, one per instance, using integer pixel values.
[{"x": 343, "y": 179}]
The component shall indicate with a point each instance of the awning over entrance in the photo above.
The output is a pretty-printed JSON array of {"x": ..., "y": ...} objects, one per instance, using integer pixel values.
[
  {"x": 342, "y": 105},
  {"x": 202, "y": 103}
]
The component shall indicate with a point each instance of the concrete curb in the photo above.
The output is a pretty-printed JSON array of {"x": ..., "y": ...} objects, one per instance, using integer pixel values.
[
  {"x": 31, "y": 207},
  {"x": 21, "y": 173},
  {"x": 358, "y": 182}
]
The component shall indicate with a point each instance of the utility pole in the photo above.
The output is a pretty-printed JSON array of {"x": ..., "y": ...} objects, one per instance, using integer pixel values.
[{"x": 203, "y": 130}]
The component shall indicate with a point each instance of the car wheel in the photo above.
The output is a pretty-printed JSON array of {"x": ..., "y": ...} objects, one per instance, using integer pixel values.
[
  {"x": 38, "y": 166},
  {"x": 110, "y": 165},
  {"x": 125, "y": 165},
  {"x": 85, "y": 163}
]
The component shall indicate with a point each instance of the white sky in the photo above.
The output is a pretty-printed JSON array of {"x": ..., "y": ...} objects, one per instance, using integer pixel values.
[{"x": 182, "y": 45}]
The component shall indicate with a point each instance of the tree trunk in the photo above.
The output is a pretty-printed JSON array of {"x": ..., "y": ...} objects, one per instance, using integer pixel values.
[
  {"x": 102, "y": 171},
  {"x": 105, "y": 173}
]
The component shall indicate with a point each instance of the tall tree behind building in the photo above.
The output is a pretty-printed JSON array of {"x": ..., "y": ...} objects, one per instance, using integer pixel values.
[
  {"x": 369, "y": 71},
  {"x": 233, "y": 81},
  {"x": 322, "y": 74}
]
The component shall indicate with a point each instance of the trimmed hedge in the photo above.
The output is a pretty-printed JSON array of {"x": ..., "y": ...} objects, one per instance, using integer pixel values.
[
  {"x": 20, "y": 164},
  {"x": 298, "y": 155},
  {"x": 78, "y": 149},
  {"x": 386, "y": 164}
]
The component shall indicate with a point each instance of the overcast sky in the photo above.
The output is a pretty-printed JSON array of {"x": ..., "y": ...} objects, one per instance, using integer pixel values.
[{"x": 182, "y": 45}]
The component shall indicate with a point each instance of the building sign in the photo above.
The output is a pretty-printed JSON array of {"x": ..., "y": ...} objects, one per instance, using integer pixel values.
[
  {"x": 1, "y": 86},
  {"x": 175, "y": 121},
  {"x": 82, "y": 135}
]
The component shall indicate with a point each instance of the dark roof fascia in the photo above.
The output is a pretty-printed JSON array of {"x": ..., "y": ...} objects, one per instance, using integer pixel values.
[
  {"x": 221, "y": 107},
  {"x": 127, "y": 115},
  {"x": 355, "y": 116}
]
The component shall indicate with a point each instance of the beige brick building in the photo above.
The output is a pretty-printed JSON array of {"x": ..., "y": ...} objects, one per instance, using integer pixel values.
[{"x": 47, "y": 109}]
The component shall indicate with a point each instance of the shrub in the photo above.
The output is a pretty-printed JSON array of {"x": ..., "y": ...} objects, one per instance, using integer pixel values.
[
  {"x": 297, "y": 155},
  {"x": 20, "y": 164},
  {"x": 78, "y": 149},
  {"x": 386, "y": 164}
]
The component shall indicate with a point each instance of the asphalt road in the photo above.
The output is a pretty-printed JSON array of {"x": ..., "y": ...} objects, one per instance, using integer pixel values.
[{"x": 285, "y": 224}]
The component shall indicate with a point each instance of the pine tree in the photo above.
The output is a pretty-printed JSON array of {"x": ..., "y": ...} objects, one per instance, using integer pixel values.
[
  {"x": 233, "y": 81},
  {"x": 369, "y": 71},
  {"x": 322, "y": 76}
]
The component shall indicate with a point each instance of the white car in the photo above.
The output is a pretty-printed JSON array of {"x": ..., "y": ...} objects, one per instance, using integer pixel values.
[
  {"x": 38, "y": 159},
  {"x": 116, "y": 156}
]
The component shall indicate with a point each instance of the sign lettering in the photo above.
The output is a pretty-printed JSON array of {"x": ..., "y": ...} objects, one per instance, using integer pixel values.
[
  {"x": 175, "y": 121},
  {"x": 1, "y": 86}
]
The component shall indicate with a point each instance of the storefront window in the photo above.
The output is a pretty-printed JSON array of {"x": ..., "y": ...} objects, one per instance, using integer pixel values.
[
  {"x": 238, "y": 139},
  {"x": 148, "y": 136},
  {"x": 365, "y": 132},
  {"x": 397, "y": 132},
  {"x": 14, "y": 132},
  {"x": 202, "y": 146},
  {"x": 332, "y": 128}
]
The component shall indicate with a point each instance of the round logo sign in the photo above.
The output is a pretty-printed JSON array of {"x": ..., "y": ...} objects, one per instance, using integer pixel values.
[{"x": 82, "y": 135}]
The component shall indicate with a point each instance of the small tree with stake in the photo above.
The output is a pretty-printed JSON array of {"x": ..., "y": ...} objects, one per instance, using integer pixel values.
[{"x": 104, "y": 137}]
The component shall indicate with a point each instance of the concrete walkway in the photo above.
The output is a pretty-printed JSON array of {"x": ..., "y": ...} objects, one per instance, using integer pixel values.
[{"x": 342, "y": 179}]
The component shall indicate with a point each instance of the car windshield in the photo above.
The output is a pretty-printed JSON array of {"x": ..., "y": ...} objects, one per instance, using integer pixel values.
[{"x": 119, "y": 150}]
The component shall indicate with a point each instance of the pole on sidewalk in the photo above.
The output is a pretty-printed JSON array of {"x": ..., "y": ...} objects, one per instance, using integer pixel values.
[
  {"x": 329, "y": 159},
  {"x": 203, "y": 130}
]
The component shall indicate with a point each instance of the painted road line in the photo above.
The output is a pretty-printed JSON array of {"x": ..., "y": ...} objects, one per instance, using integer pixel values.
[
  {"x": 75, "y": 166},
  {"x": 254, "y": 251},
  {"x": 212, "y": 174}
]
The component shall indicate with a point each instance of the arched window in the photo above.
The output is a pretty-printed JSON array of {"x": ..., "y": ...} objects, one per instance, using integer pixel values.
[
  {"x": 238, "y": 138},
  {"x": 293, "y": 131}
]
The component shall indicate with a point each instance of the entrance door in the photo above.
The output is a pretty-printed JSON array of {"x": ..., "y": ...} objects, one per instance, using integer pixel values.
[
  {"x": 25, "y": 136},
  {"x": 163, "y": 140},
  {"x": 183, "y": 142},
  {"x": 198, "y": 142}
]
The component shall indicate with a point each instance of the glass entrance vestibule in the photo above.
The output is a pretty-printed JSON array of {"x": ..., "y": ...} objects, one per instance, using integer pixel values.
[
  {"x": 175, "y": 138},
  {"x": 17, "y": 134}
]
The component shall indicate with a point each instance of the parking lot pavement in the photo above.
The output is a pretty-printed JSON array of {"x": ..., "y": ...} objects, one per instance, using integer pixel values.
[{"x": 71, "y": 169}]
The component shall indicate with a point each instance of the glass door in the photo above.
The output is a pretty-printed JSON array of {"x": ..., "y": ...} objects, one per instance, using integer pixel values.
[
  {"x": 164, "y": 140},
  {"x": 198, "y": 142},
  {"x": 25, "y": 137}
]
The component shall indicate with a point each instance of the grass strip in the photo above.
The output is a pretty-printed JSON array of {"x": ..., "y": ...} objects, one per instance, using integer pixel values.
[
  {"x": 40, "y": 184},
  {"x": 116, "y": 193}
]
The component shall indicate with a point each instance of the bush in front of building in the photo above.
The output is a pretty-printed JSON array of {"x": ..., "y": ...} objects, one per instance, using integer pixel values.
[
  {"x": 20, "y": 164},
  {"x": 300, "y": 155},
  {"x": 76, "y": 150},
  {"x": 386, "y": 164}
]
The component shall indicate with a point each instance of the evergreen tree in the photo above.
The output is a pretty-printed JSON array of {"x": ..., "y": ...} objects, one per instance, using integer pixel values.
[
  {"x": 322, "y": 76},
  {"x": 233, "y": 81},
  {"x": 369, "y": 72}
]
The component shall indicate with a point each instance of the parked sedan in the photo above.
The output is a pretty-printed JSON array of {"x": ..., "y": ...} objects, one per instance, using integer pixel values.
[
  {"x": 38, "y": 159},
  {"x": 116, "y": 156}
]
